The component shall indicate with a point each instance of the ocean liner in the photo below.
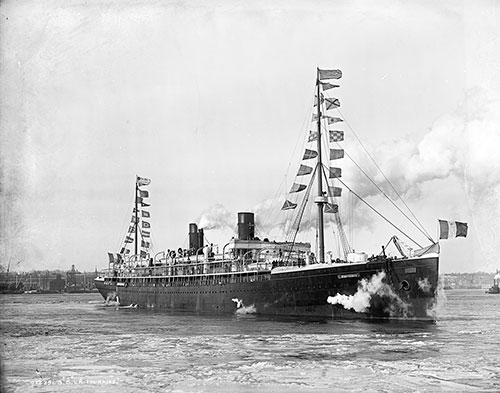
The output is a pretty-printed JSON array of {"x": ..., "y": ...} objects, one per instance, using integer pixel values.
[{"x": 280, "y": 277}]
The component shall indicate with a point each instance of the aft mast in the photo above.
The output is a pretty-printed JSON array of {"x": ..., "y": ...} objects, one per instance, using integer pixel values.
[{"x": 136, "y": 220}]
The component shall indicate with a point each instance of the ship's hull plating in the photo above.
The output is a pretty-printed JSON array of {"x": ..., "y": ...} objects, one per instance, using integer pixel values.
[{"x": 397, "y": 289}]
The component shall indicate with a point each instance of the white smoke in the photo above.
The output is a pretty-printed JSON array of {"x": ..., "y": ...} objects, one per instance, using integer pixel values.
[
  {"x": 242, "y": 309},
  {"x": 424, "y": 285},
  {"x": 217, "y": 217},
  {"x": 440, "y": 300},
  {"x": 360, "y": 301}
]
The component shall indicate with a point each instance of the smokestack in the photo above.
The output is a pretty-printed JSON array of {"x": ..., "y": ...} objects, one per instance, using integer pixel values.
[
  {"x": 246, "y": 226},
  {"x": 193, "y": 237},
  {"x": 201, "y": 239}
]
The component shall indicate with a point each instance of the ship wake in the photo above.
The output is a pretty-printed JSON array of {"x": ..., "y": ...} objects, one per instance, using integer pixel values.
[{"x": 367, "y": 292}]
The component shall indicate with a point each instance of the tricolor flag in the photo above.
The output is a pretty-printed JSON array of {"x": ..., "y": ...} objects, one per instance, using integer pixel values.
[
  {"x": 335, "y": 154},
  {"x": 332, "y": 120},
  {"x": 145, "y": 233},
  {"x": 128, "y": 239},
  {"x": 336, "y": 136},
  {"x": 142, "y": 181},
  {"x": 308, "y": 154},
  {"x": 331, "y": 208},
  {"x": 288, "y": 205},
  {"x": 297, "y": 187},
  {"x": 335, "y": 173},
  {"x": 450, "y": 229},
  {"x": 313, "y": 136},
  {"x": 328, "y": 86},
  {"x": 146, "y": 224},
  {"x": 330, "y": 74},
  {"x": 145, "y": 214},
  {"x": 335, "y": 191},
  {"x": 144, "y": 193},
  {"x": 304, "y": 170},
  {"x": 332, "y": 103}
]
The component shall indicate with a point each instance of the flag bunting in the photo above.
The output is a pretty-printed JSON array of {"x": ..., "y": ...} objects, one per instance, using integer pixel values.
[
  {"x": 331, "y": 208},
  {"x": 336, "y": 136},
  {"x": 335, "y": 154},
  {"x": 313, "y": 136},
  {"x": 297, "y": 187},
  {"x": 332, "y": 120},
  {"x": 330, "y": 74},
  {"x": 304, "y": 170},
  {"x": 142, "y": 181},
  {"x": 332, "y": 103},
  {"x": 335, "y": 191},
  {"x": 308, "y": 154},
  {"x": 288, "y": 205},
  {"x": 335, "y": 173},
  {"x": 328, "y": 86}
]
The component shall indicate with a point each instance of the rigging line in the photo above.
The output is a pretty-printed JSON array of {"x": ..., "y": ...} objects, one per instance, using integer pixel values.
[
  {"x": 305, "y": 128},
  {"x": 121, "y": 243},
  {"x": 380, "y": 214},
  {"x": 300, "y": 213},
  {"x": 387, "y": 197},
  {"x": 422, "y": 230}
]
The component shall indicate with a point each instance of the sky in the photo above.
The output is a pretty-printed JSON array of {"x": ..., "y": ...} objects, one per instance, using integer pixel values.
[{"x": 212, "y": 101}]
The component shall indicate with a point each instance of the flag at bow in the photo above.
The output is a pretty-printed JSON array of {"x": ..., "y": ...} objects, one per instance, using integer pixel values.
[
  {"x": 450, "y": 229},
  {"x": 329, "y": 74}
]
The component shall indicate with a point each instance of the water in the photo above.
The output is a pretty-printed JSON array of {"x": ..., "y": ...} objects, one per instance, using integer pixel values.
[{"x": 71, "y": 343}]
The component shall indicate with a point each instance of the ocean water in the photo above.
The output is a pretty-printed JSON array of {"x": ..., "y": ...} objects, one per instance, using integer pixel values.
[{"x": 72, "y": 343}]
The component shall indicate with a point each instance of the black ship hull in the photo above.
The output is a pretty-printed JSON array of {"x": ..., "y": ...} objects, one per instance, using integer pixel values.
[{"x": 393, "y": 289}]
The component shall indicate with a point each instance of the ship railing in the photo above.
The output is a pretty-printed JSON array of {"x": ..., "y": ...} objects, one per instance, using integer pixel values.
[{"x": 188, "y": 266}]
